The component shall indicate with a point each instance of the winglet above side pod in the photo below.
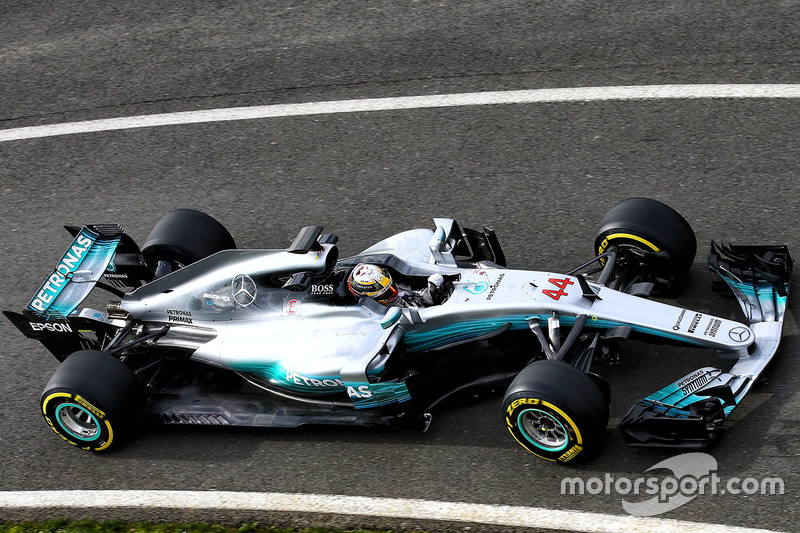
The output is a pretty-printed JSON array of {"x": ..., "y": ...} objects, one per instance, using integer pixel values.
[{"x": 306, "y": 240}]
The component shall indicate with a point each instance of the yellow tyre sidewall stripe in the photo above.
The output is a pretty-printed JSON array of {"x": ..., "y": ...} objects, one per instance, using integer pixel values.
[
  {"x": 536, "y": 401},
  {"x": 607, "y": 240},
  {"x": 89, "y": 407}
]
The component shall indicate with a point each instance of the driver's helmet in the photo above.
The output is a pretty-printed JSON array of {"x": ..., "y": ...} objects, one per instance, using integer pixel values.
[{"x": 374, "y": 282}]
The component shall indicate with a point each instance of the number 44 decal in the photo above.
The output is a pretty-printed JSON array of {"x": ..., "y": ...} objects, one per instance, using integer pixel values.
[{"x": 562, "y": 285}]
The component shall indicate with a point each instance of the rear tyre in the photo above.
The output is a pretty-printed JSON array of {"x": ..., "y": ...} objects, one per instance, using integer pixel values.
[
  {"x": 651, "y": 226},
  {"x": 556, "y": 412},
  {"x": 184, "y": 236},
  {"x": 92, "y": 401}
]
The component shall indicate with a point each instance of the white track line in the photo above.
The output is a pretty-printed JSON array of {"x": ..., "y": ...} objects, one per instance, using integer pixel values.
[
  {"x": 495, "y": 515},
  {"x": 581, "y": 94}
]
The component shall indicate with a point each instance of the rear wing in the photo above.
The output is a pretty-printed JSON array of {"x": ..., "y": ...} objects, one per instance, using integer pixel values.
[
  {"x": 101, "y": 251},
  {"x": 84, "y": 330},
  {"x": 75, "y": 274},
  {"x": 127, "y": 268},
  {"x": 96, "y": 251}
]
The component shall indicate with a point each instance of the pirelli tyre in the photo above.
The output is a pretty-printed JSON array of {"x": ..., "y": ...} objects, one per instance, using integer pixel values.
[
  {"x": 654, "y": 227},
  {"x": 184, "y": 236},
  {"x": 556, "y": 412},
  {"x": 92, "y": 401}
]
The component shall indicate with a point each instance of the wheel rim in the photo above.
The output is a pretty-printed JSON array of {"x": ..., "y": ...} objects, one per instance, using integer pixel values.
[
  {"x": 543, "y": 430},
  {"x": 77, "y": 421}
]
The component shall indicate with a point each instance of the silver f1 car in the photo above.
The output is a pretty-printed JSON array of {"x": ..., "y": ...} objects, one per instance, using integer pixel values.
[{"x": 200, "y": 332}]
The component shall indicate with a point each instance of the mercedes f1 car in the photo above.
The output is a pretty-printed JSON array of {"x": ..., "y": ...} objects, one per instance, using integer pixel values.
[{"x": 199, "y": 332}]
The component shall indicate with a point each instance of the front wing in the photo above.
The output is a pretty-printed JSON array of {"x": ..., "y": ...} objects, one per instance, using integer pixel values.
[{"x": 689, "y": 412}]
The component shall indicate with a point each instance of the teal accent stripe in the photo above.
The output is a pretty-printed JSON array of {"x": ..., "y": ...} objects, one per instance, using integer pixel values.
[
  {"x": 758, "y": 293},
  {"x": 83, "y": 410},
  {"x": 422, "y": 341},
  {"x": 534, "y": 441},
  {"x": 679, "y": 406},
  {"x": 284, "y": 378},
  {"x": 59, "y": 295},
  {"x": 382, "y": 394}
]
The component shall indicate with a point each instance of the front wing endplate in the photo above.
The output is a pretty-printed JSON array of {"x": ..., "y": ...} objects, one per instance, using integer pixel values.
[{"x": 689, "y": 412}]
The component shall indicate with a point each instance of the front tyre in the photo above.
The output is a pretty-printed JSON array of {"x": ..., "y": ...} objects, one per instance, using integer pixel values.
[
  {"x": 652, "y": 227},
  {"x": 92, "y": 401},
  {"x": 556, "y": 412}
]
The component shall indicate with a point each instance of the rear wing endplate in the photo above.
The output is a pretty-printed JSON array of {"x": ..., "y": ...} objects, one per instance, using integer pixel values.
[{"x": 76, "y": 273}]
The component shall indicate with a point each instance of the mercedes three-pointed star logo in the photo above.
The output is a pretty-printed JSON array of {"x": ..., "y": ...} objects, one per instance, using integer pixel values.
[
  {"x": 739, "y": 334},
  {"x": 244, "y": 290}
]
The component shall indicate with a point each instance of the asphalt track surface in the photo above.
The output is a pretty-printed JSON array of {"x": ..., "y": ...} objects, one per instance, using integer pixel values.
[{"x": 542, "y": 175}]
